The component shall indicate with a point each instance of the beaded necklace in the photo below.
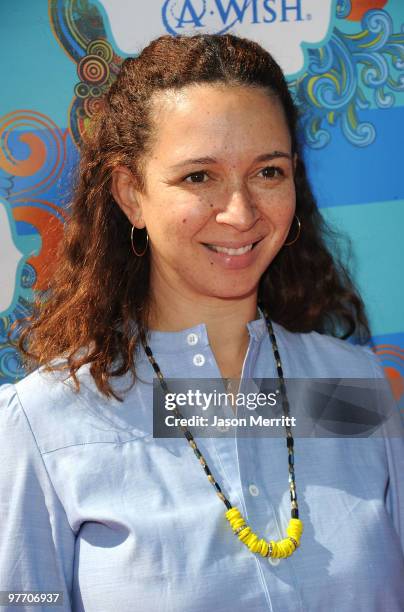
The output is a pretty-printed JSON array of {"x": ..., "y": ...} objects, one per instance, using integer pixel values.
[{"x": 275, "y": 549}]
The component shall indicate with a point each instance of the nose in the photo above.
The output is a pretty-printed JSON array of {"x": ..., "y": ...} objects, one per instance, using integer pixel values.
[{"x": 239, "y": 211}]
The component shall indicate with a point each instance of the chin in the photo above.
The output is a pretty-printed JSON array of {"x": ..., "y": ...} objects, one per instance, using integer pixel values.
[{"x": 234, "y": 293}]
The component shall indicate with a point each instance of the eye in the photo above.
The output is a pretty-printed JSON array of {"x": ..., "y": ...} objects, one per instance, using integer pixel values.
[
  {"x": 198, "y": 176},
  {"x": 272, "y": 172}
]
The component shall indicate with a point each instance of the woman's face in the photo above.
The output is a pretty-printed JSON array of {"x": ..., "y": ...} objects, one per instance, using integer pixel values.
[{"x": 220, "y": 195}]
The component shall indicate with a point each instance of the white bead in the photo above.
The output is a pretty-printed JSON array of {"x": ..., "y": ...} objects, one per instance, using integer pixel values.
[{"x": 273, "y": 561}]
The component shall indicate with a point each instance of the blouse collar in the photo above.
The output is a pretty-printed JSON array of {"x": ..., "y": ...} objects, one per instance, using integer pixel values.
[{"x": 196, "y": 337}]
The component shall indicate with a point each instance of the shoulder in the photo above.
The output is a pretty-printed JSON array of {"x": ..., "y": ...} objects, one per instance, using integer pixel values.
[
  {"x": 52, "y": 390},
  {"x": 47, "y": 405},
  {"x": 320, "y": 355}
]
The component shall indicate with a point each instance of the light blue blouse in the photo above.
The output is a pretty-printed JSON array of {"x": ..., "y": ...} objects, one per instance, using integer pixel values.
[{"x": 92, "y": 505}]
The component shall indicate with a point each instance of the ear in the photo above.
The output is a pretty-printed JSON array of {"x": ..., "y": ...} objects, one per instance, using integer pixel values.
[
  {"x": 294, "y": 162},
  {"x": 124, "y": 191}
]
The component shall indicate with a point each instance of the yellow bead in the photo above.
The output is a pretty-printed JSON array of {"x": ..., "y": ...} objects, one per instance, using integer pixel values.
[
  {"x": 294, "y": 542},
  {"x": 256, "y": 547},
  {"x": 233, "y": 512},
  {"x": 252, "y": 541},
  {"x": 244, "y": 533},
  {"x": 295, "y": 529},
  {"x": 285, "y": 548},
  {"x": 260, "y": 545},
  {"x": 281, "y": 549}
]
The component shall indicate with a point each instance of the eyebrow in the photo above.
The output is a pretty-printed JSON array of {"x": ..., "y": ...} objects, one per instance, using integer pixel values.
[{"x": 213, "y": 160}]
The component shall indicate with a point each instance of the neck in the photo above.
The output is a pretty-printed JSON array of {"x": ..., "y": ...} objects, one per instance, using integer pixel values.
[{"x": 225, "y": 319}]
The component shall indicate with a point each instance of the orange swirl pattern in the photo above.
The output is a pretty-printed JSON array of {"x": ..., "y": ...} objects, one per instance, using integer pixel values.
[
  {"x": 46, "y": 145},
  {"x": 359, "y": 8},
  {"x": 93, "y": 69},
  {"x": 96, "y": 71},
  {"x": 91, "y": 106},
  {"x": 394, "y": 356},
  {"x": 50, "y": 228}
]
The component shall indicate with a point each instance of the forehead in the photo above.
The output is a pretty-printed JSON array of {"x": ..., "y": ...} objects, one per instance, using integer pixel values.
[{"x": 215, "y": 115}]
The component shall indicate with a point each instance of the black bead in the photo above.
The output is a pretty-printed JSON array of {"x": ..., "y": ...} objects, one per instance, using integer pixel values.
[
  {"x": 188, "y": 435},
  {"x": 294, "y": 513},
  {"x": 207, "y": 470},
  {"x": 289, "y": 442}
]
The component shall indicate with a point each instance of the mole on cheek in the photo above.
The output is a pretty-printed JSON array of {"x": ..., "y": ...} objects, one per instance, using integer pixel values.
[{"x": 184, "y": 220}]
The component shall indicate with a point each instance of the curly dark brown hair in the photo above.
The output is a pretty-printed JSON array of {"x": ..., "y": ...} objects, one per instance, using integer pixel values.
[{"x": 97, "y": 303}]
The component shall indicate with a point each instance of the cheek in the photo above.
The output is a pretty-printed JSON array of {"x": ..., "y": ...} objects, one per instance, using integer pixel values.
[
  {"x": 177, "y": 223},
  {"x": 286, "y": 214},
  {"x": 281, "y": 207},
  {"x": 187, "y": 218}
]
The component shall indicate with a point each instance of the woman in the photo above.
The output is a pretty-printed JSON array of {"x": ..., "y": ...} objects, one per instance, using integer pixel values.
[{"x": 193, "y": 234}]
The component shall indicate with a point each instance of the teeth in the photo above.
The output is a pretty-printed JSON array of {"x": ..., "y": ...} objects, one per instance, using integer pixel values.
[{"x": 240, "y": 251}]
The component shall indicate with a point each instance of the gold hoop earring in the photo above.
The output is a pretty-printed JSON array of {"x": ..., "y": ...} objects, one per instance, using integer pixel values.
[
  {"x": 133, "y": 245},
  {"x": 297, "y": 235}
]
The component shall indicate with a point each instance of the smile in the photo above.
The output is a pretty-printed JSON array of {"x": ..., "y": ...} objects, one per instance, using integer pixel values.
[
  {"x": 231, "y": 251},
  {"x": 239, "y": 251}
]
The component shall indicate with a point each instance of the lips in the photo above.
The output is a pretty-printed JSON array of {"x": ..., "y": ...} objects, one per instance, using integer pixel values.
[
  {"x": 232, "y": 250},
  {"x": 233, "y": 256}
]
